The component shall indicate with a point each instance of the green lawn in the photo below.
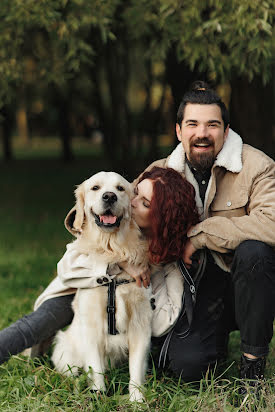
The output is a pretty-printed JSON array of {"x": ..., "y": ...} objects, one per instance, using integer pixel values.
[{"x": 35, "y": 197}]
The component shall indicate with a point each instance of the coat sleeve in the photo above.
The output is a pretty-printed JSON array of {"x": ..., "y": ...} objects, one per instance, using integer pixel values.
[
  {"x": 77, "y": 270},
  {"x": 224, "y": 234},
  {"x": 167, "y": 289}
]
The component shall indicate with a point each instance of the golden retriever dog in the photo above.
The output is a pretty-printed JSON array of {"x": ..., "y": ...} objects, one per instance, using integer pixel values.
[{"x": 108, "y": 234}]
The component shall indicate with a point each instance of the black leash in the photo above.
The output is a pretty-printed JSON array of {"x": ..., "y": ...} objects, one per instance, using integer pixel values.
[
  {"x": 111, "y": 304},
  {"x": 189, "y": 293},
  {"x": 188, "y": 303}
]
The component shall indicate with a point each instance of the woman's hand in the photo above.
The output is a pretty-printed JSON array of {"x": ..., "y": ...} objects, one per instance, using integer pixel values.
[
  {"x": 141, "y": 274},
  {"x": 189, "y": 250}
]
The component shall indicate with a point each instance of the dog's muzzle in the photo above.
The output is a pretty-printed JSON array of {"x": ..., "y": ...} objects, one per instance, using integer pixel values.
[{"x": 107, "y": 220}]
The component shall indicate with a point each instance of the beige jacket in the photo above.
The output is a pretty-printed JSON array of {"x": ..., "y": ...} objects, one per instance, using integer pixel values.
[
  {"x": 77, "y": 270},
  {"x": 239, "y": 202}
]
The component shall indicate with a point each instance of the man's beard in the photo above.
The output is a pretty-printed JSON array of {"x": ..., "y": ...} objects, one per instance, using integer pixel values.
[{"x": 202, "y": 161}]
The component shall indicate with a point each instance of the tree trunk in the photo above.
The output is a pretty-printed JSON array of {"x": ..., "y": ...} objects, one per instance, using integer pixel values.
[
  {"x": 22, "y": 119},
  {"x": 118, "y": 73},
  {"x": 113, "y": 112},
  {"x": 63, "y": 107},
  {"x": 252, "y": 112},
  {"x": 154, "y": 127},
  {"x": 7, "y": 127}
]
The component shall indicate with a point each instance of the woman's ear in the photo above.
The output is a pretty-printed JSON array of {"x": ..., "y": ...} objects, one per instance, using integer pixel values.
[{"x": 75, "y": 218}]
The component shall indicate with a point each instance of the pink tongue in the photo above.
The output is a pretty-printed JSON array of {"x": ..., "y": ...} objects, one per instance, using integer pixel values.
[{"x": 108, "y": 219}]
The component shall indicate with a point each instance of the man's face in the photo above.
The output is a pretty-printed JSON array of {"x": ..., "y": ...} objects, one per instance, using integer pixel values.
[{"x": 202, "y": 134}]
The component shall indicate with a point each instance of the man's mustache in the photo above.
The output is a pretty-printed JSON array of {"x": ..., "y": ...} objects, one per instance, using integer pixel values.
[{"x": 204, "y": 140}]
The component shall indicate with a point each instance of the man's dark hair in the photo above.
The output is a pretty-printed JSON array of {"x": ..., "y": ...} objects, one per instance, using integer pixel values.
[{"x": 200, "y": 93}]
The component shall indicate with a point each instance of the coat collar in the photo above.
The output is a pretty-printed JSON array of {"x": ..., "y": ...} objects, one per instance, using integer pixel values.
[{"x": 230, "y": 157}]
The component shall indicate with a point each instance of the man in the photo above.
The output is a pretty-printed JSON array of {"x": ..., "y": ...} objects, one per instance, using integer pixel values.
[{"x": 235, "y": 194}]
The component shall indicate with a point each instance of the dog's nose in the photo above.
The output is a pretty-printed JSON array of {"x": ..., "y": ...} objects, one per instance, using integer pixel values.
[{"x": 109, "y": 197}]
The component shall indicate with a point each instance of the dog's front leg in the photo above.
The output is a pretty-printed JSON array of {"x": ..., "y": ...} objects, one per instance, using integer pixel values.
[
  {"x": 139, "y": 346},
  {"x": 95, "y": 366}
]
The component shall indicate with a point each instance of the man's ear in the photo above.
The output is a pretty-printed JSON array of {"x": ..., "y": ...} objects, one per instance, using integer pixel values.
[
  {"x": 178, "y": 131},
  {"x": 226, "y": 133}
]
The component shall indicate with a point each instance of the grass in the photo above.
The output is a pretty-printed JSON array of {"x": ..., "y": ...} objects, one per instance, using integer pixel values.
[{"x": 36, "y": 194}]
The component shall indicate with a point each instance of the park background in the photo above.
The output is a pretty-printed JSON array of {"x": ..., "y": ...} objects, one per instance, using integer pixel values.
[{"x": 89, "y": 85}]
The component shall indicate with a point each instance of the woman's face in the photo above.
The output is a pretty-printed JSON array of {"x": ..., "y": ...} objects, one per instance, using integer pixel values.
[{"x": 141, "y": 203}]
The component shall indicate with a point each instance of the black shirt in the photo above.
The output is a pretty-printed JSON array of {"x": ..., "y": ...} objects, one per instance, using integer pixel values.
[{"x": 202, "y": 177}]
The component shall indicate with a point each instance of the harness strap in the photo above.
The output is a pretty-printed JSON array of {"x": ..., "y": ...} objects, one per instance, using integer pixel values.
[
  {"x": 111, "y": 308},
  {"x": 111, "y": 304}
]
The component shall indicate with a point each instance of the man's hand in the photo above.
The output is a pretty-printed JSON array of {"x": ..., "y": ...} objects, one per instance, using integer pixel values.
[
  {"x": 189, "y": 250},
  {"x": 141, "y": 274}
]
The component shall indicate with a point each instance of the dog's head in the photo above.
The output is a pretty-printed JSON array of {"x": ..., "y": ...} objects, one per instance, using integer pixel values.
[{"x": 103, "y": 199}]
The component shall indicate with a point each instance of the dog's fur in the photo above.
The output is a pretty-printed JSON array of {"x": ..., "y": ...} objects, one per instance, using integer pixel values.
[{"x": 86, "y": 343}]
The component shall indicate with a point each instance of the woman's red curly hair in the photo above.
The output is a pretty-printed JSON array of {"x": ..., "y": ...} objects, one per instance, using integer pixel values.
[{"x": 172, "y": 212}]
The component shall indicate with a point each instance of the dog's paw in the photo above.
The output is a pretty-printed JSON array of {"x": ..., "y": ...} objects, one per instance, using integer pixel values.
[
  {"x": 103, "y": 280},
  {"x": 98, "y": 387},
  {"x": 136, "y": 395}
]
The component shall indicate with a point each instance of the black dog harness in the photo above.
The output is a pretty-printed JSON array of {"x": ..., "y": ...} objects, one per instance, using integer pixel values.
[{"x": 111, "y": 304}]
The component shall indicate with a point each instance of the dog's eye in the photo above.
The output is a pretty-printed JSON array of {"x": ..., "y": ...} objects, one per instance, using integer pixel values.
[
  {"x": 120, "y": 188},
  {"x": 95, "y": 187}
]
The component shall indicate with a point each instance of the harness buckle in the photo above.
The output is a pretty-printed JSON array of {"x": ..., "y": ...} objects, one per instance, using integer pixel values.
[{"x": 111, "y": 309}]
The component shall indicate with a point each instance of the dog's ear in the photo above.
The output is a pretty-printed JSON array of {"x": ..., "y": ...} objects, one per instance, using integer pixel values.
[
  {"x": 75, "y": 218},
  {"x": 79, "y": 216},
  {"x": 69, "y": 222}
]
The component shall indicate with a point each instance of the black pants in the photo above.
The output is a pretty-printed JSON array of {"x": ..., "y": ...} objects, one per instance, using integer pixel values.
[
  {"x": 36, "y": 327},
  {"x": 243, "y": 299}
]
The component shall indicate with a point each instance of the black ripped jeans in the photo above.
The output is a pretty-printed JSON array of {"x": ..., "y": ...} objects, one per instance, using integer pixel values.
[
  {"x": 243, "y": 299},
  {"x": 36, "y": 327}
]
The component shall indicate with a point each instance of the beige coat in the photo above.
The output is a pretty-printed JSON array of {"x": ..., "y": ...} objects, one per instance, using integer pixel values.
[
  {"x": 239, "y": 202},
  {"x": 76, "y": 270}
]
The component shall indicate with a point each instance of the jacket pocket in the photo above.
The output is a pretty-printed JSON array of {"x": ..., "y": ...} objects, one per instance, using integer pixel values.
[{"x": 230, "y": 206}]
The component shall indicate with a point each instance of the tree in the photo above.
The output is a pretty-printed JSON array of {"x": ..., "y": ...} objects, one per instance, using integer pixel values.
[
  {"x": 219, "y": 40},
  {"x": 53, "y": 34}
]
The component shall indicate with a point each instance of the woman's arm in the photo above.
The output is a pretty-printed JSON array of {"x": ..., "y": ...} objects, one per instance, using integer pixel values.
[
  {"x": 78, "y": 270},
  {"x": 167, "y": 288},
  {"x": 141, "y": 274}
]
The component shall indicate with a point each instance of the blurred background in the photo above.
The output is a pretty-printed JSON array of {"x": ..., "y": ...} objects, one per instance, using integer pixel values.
[
  {"x": 89, "y": 85},
  {"x": 85, "y": 78}
]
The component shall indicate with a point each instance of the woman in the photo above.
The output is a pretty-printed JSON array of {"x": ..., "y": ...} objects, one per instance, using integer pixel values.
[{"x": 164, "y": 208}]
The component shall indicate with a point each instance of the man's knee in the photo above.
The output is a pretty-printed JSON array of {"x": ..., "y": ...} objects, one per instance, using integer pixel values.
[
  {"x": 252, "y": 250},
  {"x": 254, "y": 263}
]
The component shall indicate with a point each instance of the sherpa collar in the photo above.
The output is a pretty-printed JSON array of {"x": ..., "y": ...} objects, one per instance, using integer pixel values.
[{"x": 230, "y": 157}]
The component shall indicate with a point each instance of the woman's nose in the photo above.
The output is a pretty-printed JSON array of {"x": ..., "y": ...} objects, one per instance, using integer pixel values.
[{"x": 133, "y": 202}]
